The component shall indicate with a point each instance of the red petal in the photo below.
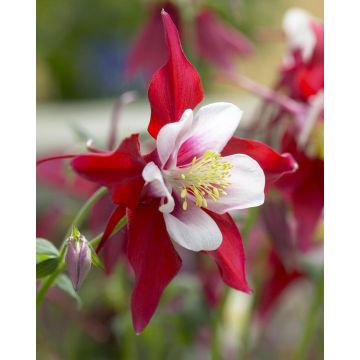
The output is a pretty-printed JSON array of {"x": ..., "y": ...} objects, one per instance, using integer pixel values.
[
  {"x": 120, "y": 170},
  {"x": 153, "y": 258},
  {"x": 176, "y": 86},
  {"x": 115, "y": 217},
  {"x": 230, "y": 256},
  {"x": 273, "y": 164}
]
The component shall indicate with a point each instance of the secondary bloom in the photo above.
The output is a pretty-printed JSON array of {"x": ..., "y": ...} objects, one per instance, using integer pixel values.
[
  {"x": 214, "y": 41},
  {"x": 184, "y": 188},
  {"x": 303, "y": 67}
]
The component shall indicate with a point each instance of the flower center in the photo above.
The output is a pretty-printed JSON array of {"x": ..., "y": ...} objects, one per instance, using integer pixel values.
[{"x": 206, "y": 176}]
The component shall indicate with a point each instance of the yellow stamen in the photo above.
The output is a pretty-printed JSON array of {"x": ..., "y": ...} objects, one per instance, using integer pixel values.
[{"x": 205, "y": 177}]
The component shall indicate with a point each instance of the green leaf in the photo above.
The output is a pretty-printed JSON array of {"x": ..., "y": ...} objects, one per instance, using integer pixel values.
[
  {"x": 46, "y": 267},
  {"x": 65, "y": 284},
  {"x": 45, "y": 247},
  {"x": 95, "y": 260}
]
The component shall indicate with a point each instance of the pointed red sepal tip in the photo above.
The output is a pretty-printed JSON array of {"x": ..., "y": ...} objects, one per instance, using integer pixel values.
[
  {"x": 176, "y": 86},
  {"x": 230, "y": 256}
]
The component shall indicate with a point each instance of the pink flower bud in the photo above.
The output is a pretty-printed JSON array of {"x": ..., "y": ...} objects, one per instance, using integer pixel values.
[{"x": 78, "y": 259}]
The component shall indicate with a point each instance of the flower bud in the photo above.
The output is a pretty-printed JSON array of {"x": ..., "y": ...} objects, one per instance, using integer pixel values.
[{"x": 78, "y": 258}]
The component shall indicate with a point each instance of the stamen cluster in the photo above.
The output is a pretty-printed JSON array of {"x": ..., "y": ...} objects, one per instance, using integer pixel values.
[{"x": 207, "y": 176}]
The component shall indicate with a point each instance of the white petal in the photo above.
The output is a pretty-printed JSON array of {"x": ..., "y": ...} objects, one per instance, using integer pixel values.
[
  {"x": 299, "y": 34},
  {"x": 170, "y": 135},
  {"x": 247, "y": 186},
  {"x": 154, "y": 179},
  {"x": 193, "y": 229},
  {"x": 212, "y": 128}
]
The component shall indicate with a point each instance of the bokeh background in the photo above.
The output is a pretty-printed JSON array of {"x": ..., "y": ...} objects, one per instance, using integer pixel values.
[{"x": 82, "y": 47}]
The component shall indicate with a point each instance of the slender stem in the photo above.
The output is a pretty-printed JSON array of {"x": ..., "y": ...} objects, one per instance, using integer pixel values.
[
  {"x": 215, "y": 344},
  {"x": 123, "y": 100},
  {"x": 311, "y": 320},
  {"x": 288, "y": 104},
  {"x": 246, "y": 333},
  {"x": 79, "y": 218},
  {"x": 81, "y": 215}
]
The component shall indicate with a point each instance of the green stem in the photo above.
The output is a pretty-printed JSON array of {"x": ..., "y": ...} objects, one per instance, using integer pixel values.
[
  {"x": 311, "y": 320},
  {"x": 81, "y": 215},
  {"x": 79, "y": 218},
  {"x": 215, "y": 343},
  {"x": 246, "y": 331}
]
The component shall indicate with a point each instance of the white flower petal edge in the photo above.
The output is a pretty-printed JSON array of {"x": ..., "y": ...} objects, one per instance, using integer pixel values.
[
  {"x": 299, "y": 34},
  {"x": 169, "y": 136},
  {"x": 212, "y": 128},
  {"x": 193, "y": 229},
  {"x": 154, "y": 179},
  {"x": 247, "y": 186}
]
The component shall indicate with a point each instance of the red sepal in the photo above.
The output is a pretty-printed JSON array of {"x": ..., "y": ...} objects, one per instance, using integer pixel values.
[
  {"x": 176, "y": 86},
  {"x": 273, "y": 163},
  {"x": 119, "y": 170},
  {"x": 153, "y": 259},
  {"x": 230, "y": 256}
]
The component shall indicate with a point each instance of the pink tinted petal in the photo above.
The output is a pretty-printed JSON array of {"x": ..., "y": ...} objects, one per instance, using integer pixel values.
[
  {"x": 230, "y": 256},
  {"x": 119, "y": 170},
  {"x": 153, "y": 259},
  {"x": 212, "y": 127},
  {"x": 176, "y": 86},
  {"x": 273, "y": 164}
]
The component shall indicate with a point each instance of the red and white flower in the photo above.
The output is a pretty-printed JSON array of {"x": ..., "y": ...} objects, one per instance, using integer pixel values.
[
  {"x": 192, "y": 175},
  {"x": 184, "y": 189}
]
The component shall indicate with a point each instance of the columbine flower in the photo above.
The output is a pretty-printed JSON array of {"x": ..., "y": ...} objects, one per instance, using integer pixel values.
[
  {"x": 192, "y": 175},
  {"x": 184, "y": 188},
  {"x": 303, "y": 68},
  {"x": 78, "y": 258}
]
